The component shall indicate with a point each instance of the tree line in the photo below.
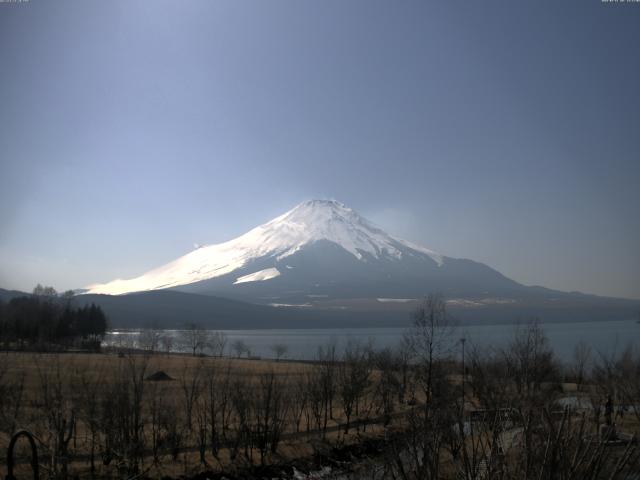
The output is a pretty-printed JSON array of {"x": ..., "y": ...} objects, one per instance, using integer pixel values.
[{"x": 48, "y": 320}]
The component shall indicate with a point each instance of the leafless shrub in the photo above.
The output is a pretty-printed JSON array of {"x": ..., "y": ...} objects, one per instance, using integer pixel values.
[
  {"x": 269, "y": 410},
  {"x": 353, "y": 379},
  {"x": 241, "y": 398},
  {"x": 57, "y": 400},
  {"x": 122, "y": 421},
  {"x": 91, "y": 391},
  {"x": 161, "y": 428},
  {"x": 11, "y": 397}
]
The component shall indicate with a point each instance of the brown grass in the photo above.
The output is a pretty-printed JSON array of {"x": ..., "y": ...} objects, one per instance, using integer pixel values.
[{"x": 32, "y": 367}]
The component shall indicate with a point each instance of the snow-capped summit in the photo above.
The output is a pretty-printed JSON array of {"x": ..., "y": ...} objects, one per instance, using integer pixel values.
[
  {"x": 332, "y": 221},
  {"x": 309, "y": 222},
  {"x": 319, "y": 249}
]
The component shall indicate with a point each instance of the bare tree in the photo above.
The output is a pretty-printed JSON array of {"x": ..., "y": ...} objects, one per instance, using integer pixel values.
[
  {"x": 402, "y": 354},
  {"x": 279, "y": 350},
  {"x": 617, "y": 376},
  {"x": 166, "y": 342},
  {"x": 202, "y": 414},
  {"x": 149, "y": 340},
  {"x": 122, "y": 420},
  {"x": 299, "y": 395},
  {"x": 387, "y": 384},
  {"x": 194, "y": 339},
  {"x": 239, "y": 347},
  {"x": 490, "y": 379},
  {"x": 217, "y": 343},
  {"x": 241, "y": 401},
  {"x": 628, "y": 367},
  {"x": 45, "y": 292},
  {"x": 270, "y": 408},
  {"x": 430, "y": 339},
  {"x": 581, "y": 359},
  {"x": 191, "y": 387},
  {"x": 214, "y": 406},
  {"x": 353, "y": 379},
  {"x": 326, "y": 360},
  {"x": 316, "y": 394},
  {"x": 57, "y": 401},
  {"x": 531, "y": 362}
]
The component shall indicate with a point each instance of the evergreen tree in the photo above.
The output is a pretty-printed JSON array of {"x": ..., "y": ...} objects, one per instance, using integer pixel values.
[{"x": 47, "y": 318}]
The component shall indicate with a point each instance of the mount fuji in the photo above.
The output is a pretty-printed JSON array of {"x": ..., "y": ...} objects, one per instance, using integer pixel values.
[
  {"x": 322, "y": 256},
  {"x": 319, "y": 249}
]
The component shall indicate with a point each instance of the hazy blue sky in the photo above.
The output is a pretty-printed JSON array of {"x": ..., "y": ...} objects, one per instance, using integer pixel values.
[{"x": 506, "y": 132}]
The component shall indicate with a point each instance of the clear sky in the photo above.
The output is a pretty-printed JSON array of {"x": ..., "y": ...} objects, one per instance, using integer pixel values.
[{"x": 506, "y": 132}]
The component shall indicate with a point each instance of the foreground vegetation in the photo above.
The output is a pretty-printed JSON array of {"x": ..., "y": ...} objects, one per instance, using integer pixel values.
[{"x": 493, "y": 414}]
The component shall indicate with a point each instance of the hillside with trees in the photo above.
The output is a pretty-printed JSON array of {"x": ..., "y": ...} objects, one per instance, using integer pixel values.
[{"x": 46, "y": 320}]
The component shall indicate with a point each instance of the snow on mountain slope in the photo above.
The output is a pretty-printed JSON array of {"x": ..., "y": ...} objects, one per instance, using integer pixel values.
[
  {"x": 266, "y": 274},
  {"x": 283, "y": 236}
]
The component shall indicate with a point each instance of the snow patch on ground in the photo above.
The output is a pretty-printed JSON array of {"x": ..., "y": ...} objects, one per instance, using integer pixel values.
[
  {"x": 497, "y": 301},
  {"x": 436, "y": 257},
  {"x": 266, "y": 274},
  {"x": 464, "y": 302},
  {"x": 395, "y": 300},
  {"x": 290, "y": 305}
]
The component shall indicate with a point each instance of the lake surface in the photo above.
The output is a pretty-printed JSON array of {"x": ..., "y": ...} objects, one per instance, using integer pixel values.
[{"x": 603, "y": 337}]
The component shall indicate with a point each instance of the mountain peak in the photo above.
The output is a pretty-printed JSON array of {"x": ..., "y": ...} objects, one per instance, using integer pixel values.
[
  {"x": 322, "y": 202},
  {"x": 317, "y": 212},
  {"x": 321, "y": 207},
  {"x": 307, "y": 223}
]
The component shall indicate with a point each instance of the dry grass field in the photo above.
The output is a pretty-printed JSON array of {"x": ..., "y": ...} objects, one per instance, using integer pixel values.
[{"x": 175, "y": 413}]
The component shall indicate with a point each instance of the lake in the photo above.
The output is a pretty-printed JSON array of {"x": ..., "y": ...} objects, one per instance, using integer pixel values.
[{"x": 603, "y": 337}]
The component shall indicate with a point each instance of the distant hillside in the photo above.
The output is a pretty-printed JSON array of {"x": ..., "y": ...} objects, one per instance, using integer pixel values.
[
  {"x": 6, "y": 295},
  {"x": 173, "y": 309}
]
